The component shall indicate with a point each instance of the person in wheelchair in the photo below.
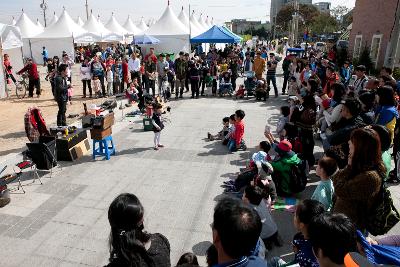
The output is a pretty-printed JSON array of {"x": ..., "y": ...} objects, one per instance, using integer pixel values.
[{"x": 225, "y": 85}]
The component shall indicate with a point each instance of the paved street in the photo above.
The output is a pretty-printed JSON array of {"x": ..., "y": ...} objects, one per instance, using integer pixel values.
[{"x": 64, "y": 221}]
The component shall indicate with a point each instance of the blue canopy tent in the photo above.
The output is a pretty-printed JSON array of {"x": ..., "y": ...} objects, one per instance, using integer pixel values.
[
  {"x": 145, "y": 39},
  {"x": 230, "y": 32},
  {"x": 216, "y": 34}
]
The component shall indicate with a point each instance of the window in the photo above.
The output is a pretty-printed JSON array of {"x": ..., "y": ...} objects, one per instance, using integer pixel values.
[
  {"x": 375, "y": 47},
  {"x": 357, "y": 46}
]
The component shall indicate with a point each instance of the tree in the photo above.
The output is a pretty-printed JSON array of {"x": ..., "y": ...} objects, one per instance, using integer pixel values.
[
  {"x": 307, "y": 12},
  {"x": 339, "y": 11},
  {"x": 324, "y": 23}
]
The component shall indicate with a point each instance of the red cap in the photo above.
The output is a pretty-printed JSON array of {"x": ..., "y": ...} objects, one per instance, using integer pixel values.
[{"x": 285, "y": 146}]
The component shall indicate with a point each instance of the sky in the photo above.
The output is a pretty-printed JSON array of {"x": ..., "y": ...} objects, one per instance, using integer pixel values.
[{"x": 221, "y": 10}]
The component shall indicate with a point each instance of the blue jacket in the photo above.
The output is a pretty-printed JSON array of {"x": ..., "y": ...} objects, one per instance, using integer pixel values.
[{"x": 385, "y": 114}]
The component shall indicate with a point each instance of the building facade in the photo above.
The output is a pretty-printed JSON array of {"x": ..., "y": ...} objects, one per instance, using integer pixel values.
[
  {"x": 276, "y": 6},
  {"x": 239, "y": 26},
  {"x": 376, "y": 27},
  {"x": 323, "y": 7}
]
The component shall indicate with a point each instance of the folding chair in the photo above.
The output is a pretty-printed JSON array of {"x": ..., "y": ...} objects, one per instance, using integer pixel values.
[
  {"x": 9, "y": 178},
  {"x": 43, "y": 154}
]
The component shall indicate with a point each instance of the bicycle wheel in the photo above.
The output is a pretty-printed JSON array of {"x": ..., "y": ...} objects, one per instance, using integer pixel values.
[{"x": 20, "y": 90}]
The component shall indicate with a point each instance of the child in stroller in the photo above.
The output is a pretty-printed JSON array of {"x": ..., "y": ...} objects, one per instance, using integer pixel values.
[
  {"x": 225, "y": 85},
  {"x": 250, "y": 83}
]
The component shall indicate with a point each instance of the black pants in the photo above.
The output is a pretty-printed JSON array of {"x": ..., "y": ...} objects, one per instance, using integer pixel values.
[
  {"x": 307, "y": 140},
  {"x": 187, "y": 84},
  {"x": 273, "y": 80},
  {"x": 62, "y": 109},
  {"x": 233, "y": 81},
  {"x": 103, "y": 87},
  {"x": 285, "y": 82},
  {"x": 89, "y": 85},
  {"x": 11, "y": 76},
  {"x": 117, "y": 87},
  {"x": 194, "y": 85},
  {"x": 214, "y": 86},
  {"x": 202, "y": 85},
  {"x": 32, "y": 84},
  {"x": 180, "y": 86}
]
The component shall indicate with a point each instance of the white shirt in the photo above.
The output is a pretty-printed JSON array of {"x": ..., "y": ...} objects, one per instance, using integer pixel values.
[
  {"x": 133, "y": 65},
  {"x": 269, "y": 226}
]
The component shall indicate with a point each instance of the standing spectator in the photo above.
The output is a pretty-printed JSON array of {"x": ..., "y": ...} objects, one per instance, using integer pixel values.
[
  {"x": 8, "y": 68},
  {"x": 151, "y": 55},
  {"x": 271, "y": 73},
  {"x": 117, "y": 70},
  {"x": 180, "y": 71},
  {"x": 33, "y": 75},
  {"x": 171, "y": 72},
  {"x": 158, "y": 125},
  {"x": 236, "y": 229},
  {"x": 162, "y": 67},
  {"x": 150, "y": 76},
  {"x": 345, "y": 73},
  {"x": 286, "y": 72},
  {"x": 69, "y": 62},
  {"x": 45, "y": 56},
  {"x": 129, "y": 244},
  {"x": 86, "y": 77},
  {"x": 331, "y": 79},
  {"x": 234, "y": 67},
  {"x": 61, "y": 94},
  {"x": 194, "y": 73},
  {"x": 98, "y": 70},
  {"x": 134, "y": 67},
  {"x": 258, "y": 65},
  {"x": 110, "y": 80},
  {"x": 358, "y": 184},
  {"x": 125, "y": 74}
]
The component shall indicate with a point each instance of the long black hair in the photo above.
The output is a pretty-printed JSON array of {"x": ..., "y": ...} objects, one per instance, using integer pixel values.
[{"x": 127, "y": 237}]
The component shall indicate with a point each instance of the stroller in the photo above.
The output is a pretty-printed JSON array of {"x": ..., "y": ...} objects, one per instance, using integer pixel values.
[
  {"x": 225, "y": 85},
  {"x": 250, "y": 83}
]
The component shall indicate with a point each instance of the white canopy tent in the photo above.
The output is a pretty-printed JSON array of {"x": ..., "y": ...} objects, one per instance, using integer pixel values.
[
  {"x": 11, "y": 44},
  {"x": 28, "y": 29},
  {"x": 142, "y": 25},
  {"x": 13, "y": 21},
  {"x": 131, "y": 27},
  {"x": 208, "y": 22},
  {"x": 79, "y": 21},
  {"x": 53, "y": 20},
  {"x": 203, "y": 23},
  {"x": 196, "y": 24},
  {"x": 39, "y": 24},
  {"x": 57, "y": 38},
  {"x": 116, "y": 29},
  {"x": 194, "y": 29},
  {"x": 95, "y": 31},
  {"x": 173, "y": 35}
]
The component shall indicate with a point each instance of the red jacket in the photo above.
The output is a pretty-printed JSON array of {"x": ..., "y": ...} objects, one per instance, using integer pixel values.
[
  {"x": 239, "y": 132},
  {"x": 32, "y": 71},
  {"x": 125, "y": 71}
]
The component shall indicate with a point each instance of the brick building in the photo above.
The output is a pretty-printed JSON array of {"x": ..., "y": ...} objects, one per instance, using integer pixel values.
[{"x": 376, "y": 26}]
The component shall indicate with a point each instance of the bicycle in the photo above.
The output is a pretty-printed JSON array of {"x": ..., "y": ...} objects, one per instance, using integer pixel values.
[{"x": 21, "y": 86}]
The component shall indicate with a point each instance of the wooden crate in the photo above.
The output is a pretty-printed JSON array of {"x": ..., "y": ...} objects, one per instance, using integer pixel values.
[
  {"x": 100, "y": 134},
  {"x": 104, "y": 122}
]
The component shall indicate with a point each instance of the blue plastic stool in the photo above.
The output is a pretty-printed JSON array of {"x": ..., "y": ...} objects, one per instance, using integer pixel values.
[{"x": 103, "y": 147}]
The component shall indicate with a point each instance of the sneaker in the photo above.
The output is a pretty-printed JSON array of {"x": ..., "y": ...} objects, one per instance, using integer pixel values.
[
  {"x": 181, "y": 96},
  {"x": 229, "y": 182},
  {"x": 208, "y": 135},
  {"x": 156, "y": 148},
  {"x": 160, "y": 145}
]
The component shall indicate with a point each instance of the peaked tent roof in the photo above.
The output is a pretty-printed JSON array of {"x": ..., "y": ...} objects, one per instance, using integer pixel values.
[
  {"x": 194, "y": 30},
  {"x": 27, "y": 27},
  {"x": 79, "y": 21},
  {"x": 215, "y": 35},
  {"x": 13, "y": 22},
  {"x": 194, "y": 22},
  {"x": 64, "y": 27},
  {"x": 53, "y": 20},
  {"x": 114, "y": 27},
  {"x": 142, "y": 25},
  {"x": 168, "y": 24},
  {"x": 231, "y": 32},
  {"x": 203, "y": 23},
  {"x": 39, "y": 24},
  {"x": 131, "y": 27},
  {"x": 93, "y": 25},
  {"x": 208, "y": 22},
  {"x": 10, "y": 36}
]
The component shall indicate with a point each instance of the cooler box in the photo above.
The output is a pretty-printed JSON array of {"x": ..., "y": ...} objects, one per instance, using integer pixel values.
[{"x": 147, "y": 125}]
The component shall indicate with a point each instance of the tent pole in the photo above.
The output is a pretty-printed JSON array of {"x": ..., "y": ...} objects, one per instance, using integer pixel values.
[
  {"x": 30, "y": 48},
  {"x": 190, "y": 32}
]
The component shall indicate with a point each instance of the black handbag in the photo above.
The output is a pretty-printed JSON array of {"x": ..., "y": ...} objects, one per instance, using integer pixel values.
[{"x": 383, "y": 215}]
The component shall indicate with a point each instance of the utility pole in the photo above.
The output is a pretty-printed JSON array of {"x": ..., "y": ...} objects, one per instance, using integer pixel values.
[
  {"x": 87, "y": 10},
  {"x": 43, "y": 6}
]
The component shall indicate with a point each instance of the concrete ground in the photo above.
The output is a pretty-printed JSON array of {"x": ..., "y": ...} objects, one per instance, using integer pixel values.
[{"x": 64, "y": 221}]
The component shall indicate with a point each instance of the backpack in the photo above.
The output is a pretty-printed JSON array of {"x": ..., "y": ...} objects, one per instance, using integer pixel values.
[{"x": 298, "y": 175}]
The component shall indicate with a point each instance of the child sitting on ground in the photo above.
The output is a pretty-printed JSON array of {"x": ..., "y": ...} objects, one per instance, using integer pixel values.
[
  {"x": 304, "y": 214},
  {"x": 293, "y": 87},
  {"x": 253, "y": 196},
  {"x": 221, "y": 134},
  {"x": 236, "y": 140},
  {"x": 240, "y": 92},
  {"x": 133, "y": 92},
  {"x": 324, "y": 192},
  {"x": 231, "y": 129}
]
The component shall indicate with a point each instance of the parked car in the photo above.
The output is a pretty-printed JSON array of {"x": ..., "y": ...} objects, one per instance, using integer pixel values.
[
  {"x": 342, "y": 44},
  {"x": 320, "y": 46}
]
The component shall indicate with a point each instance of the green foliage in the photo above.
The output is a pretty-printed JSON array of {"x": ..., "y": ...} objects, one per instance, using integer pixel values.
[
  {"x": 324, "y": 23},
  {"x": 342, "y": 56},
  {"x": 365, "y": 60},
  {"x": 307, "y": 12},
  {"x": 260, "y": 32},
  {"x": 396, "y": 74}
]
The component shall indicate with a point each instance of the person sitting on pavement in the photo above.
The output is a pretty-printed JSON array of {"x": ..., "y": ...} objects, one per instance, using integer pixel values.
[{"x": 221, "y": 134}]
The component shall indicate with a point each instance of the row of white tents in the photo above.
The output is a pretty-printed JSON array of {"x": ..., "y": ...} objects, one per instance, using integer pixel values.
[{"x": 174, "y": 32}]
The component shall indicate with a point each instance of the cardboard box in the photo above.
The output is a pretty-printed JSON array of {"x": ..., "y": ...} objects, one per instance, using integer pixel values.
[
  {"x": 104, "y": 122},
  {"x": 80, "y": 150},
  {"x": 100, "y": 134}
]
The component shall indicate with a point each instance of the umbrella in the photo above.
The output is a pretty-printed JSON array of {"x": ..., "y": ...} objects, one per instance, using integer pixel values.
[{"x": 145, "y": 39}]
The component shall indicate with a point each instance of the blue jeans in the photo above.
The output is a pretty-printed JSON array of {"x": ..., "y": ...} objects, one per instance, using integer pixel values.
[
  {"x": 232, "y": 145},
  {"x": 273, "y": 80}
]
